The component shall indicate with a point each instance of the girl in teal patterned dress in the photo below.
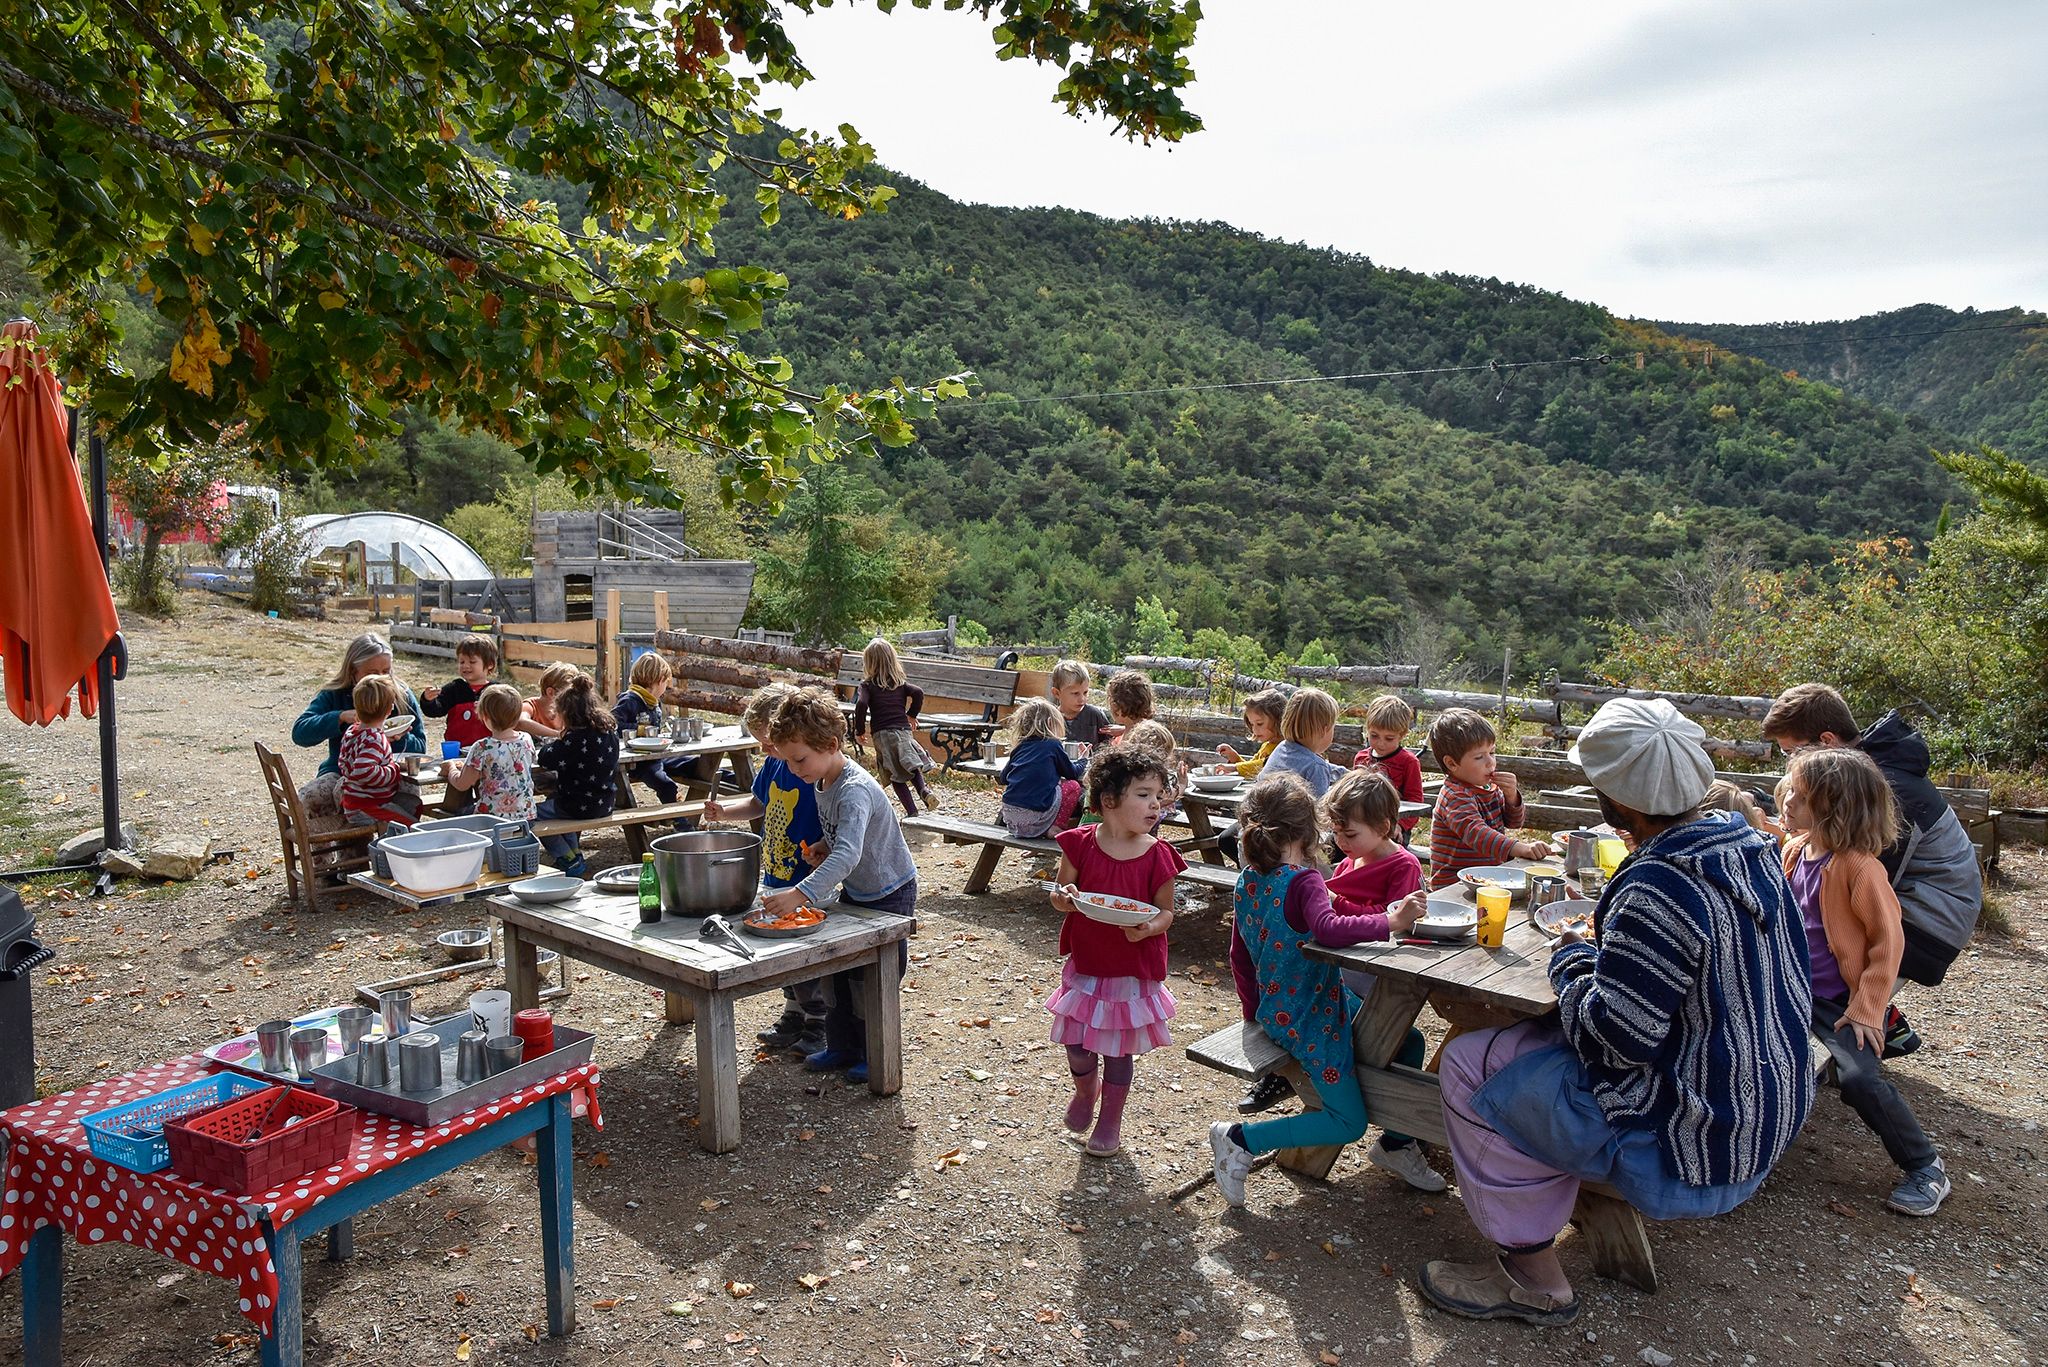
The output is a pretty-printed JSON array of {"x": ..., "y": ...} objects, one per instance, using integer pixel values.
[{"x": 1301, "y": 1003}]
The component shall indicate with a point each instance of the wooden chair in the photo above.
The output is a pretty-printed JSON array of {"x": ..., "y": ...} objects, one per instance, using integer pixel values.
[{"x": 350, "y": 845}]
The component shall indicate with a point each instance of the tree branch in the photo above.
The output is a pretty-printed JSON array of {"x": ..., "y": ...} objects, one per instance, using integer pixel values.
[{"x": 175, "y": 59}]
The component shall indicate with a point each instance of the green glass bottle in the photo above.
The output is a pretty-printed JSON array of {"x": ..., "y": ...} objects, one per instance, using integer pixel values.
[{"x": 650, "y": 890}]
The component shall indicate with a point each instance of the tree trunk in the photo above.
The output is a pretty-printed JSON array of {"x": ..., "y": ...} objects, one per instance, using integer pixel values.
[{"x": 147, "y": 594}]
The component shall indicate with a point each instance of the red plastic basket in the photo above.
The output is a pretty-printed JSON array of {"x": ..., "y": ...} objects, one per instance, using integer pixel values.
[{"x": 214, "y": 1149}]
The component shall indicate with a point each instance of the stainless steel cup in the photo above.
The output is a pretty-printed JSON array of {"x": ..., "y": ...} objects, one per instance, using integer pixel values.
[
  {"x": 1545, "y": 888},
  {"x": 355, "y": 1022},
  {"x": 506, "y": 1051},
  {"x": 1579, "y": 847},
  {"x": 396, "y": 1009},
  {"x": 419, "y": 1063},
  {"x": 274, "y": 1044},
  {"x": 472, "y": 1058},
  {"x": 309, "y": 1049},
  {"x": 373, "y": 1063}
]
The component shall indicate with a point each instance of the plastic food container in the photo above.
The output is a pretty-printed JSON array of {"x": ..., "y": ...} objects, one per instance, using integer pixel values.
[{"x": 435, "y": 860}]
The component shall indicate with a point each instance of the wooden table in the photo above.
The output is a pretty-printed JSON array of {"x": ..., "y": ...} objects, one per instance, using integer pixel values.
[
  {"x": 487, "y": 881},
  {"x": 1199, "y": 804},
  {"x": 1467, "y": 985},
  {"x": 702, "y": 980},
  {"x": 697, "y": 783}
]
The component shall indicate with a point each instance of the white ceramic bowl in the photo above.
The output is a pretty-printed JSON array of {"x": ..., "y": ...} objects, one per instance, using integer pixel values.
[
  {"x": 648, "y": 743},
  {"x": 1447, "y": 918},
  {"x": 434, "y": 861},
  {"x": 553, "y": 887}
]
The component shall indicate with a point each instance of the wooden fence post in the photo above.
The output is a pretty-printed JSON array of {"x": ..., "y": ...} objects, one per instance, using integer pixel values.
[
  {"x": 615, "y": 652},
  {"x": 661, "y": 610}
]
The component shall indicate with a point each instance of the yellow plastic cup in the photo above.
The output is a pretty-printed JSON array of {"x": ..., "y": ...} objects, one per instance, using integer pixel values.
[
  {"x": 1493, "y": 915},
  {"x": 1610, "y": 852}
]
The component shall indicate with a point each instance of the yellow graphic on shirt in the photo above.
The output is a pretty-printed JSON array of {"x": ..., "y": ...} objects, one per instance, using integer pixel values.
[{"x": 778, "y": 851}]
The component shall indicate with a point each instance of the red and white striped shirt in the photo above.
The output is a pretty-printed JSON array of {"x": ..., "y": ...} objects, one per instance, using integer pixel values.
[
  {"x": 1469, "y": 828},
  {"x": 369, "y": 773}
]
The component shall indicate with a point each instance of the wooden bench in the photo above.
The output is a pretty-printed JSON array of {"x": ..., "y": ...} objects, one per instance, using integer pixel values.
[
  {"x": 1410, "y": 1101},
  {"x": 627, "y": 820},
  {"x": 944, "y": 681},
  {"x": 993, "y": 839}
]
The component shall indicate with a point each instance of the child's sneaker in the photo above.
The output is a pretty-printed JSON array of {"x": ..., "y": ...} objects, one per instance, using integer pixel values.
[
  {"x": 1922, "y": 1192},
  {"x": 812, "y": 1038},
  {"x": 858, "y": 1072},
  {"x": 832, "y": 1060},
  {"x": 1408, "y": 1164},
  {"x": 931, "y": 799},
  {"x": 573, "y": 868},
  {"x": 1233, "y": 1162},
  {"x": 1900, "y": 1038},
  {"x": 787, "y": 1030},
  {"x": 1269, "y": 1091}
]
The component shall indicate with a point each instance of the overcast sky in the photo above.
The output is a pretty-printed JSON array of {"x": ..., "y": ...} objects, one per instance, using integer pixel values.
[{"x": 1739, "y": 162}]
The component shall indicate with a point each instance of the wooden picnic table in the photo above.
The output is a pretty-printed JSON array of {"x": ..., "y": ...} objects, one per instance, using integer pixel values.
[
  {"x": 1199, "y": 804},
  {"x": 697, "y": 782},
  {"x": 703, "y": 978},
  {"x": 1470, "y": 987}
]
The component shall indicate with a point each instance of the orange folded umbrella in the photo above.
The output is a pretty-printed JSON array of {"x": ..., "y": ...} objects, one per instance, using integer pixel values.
[{"x": 56, "y": 614}]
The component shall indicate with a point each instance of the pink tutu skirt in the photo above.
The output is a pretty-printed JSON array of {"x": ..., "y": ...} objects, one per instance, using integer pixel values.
[{"x": 1110, "y": 1016}]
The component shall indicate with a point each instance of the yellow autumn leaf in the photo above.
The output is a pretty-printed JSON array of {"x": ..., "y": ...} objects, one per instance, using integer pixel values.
[
  {"x": 462, "y": 1351},
  {"x": 194, "y": 355},
  {"x": 333, "y": 299},
  {"x": 202, "y": 239}
]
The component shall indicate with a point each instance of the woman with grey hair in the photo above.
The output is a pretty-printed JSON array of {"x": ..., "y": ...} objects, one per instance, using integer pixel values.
[{"x": 332, "y": 712}]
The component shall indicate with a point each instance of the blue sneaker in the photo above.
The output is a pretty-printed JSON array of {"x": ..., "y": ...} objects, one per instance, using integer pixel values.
[
  {"x": 573, "y": 868},
  {"x": 858, "y": 1072},
  {"x": 832, "y": 1060},
  {"x": 1922, "y": 1191}
]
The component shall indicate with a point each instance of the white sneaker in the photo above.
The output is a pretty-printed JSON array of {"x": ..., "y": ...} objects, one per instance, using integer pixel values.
[
  {"x": 1408, "y": 1164},
  {"x": 1233, "y": 1162}
]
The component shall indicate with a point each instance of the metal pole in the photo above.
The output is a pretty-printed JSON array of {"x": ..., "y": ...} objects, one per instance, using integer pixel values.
[{"x": 110, "y": 763}]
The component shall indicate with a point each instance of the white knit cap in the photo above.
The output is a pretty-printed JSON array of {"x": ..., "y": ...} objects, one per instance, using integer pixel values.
[{"x": 1645, "y": 754}]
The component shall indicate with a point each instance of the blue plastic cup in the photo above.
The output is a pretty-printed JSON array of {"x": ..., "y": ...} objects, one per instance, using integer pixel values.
[{"x": 451, "y": 749}]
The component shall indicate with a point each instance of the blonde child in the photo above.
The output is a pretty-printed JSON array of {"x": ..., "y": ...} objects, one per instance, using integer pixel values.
[
  {"x": 888, "y": 703},
  {"x": 1301, "y": 1002},
  {"x": 1112, "y": 999},
  {"x": 1476, "y": 805},
  {"x": 374, "y": 788},
  {"x": 500, "y": 766},
  {"x": 646, "y": 684},
  {"x": 584, "y": 758},
  {"x": 1723, "y": 796},
  {"x": 1085, "y": 722},
  {"x": 1041, "y": 786},
  {"x": 1157, "y": 741},
  {"x": 866, "y": 860},
  {"x": 1262, "y": 713},
  {"x": 476, "y": 661},
  {"x": 1129, "y": 695},
  {"x": 1855, "y": 937},
  {"x": 787, "y": 808},
  {"x": 542, "y": 719},
  {"x": 1388, "y": 720},
  {"x": 1308, "y": 727}
]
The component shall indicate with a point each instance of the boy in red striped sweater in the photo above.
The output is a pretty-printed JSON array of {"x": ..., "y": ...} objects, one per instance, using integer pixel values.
[
  {"x": 373, "y": 787},
  {"x": 1477, "y": 803}
]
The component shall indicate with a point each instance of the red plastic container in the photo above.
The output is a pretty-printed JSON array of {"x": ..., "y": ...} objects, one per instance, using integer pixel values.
[
  {"x": 537, "y": 1028},
  {"x": 215, "y": 1150}
]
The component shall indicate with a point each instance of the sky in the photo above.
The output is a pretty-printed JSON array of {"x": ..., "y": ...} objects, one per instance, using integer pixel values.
[{"x": 1739, "y": 162}]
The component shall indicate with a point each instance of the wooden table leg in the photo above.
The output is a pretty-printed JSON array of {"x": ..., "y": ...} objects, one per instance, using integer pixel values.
[
  {"x": 882, "y": 999},
  {"x": 984, "y": 869},
  {"x": 42, "y": 1298},
  {"x": 718, "y": 1074},
  {"x": 1376, "y": 1036},
  {"x": 677, "y": 1008},
  {"x": 341, "y": 1241},
  {"x": 522, "y": 969},
  {"x": 557, "y": 1215},
  {"x": 1315, "y": 1162},
  {"x": 1203, "y": 831},
  {"x": 1615, "y": 1237},
  {"x": 285, "y": 1344}
]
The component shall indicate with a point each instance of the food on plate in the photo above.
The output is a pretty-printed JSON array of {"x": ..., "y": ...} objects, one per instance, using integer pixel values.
[{"x": 797, "y": 918}]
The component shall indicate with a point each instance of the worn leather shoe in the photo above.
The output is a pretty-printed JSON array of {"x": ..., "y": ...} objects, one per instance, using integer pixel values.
[{"x": 1487, "y": 1291}]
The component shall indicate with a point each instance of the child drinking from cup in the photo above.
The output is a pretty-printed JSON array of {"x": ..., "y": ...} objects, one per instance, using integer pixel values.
[
  {"x": 499, "y": 768},
  {"x": 584, "y": 759},
  {"x": 1112, "y": 999},
  {"x": 374, "y": 788},
  {"x": 1846, "y": 816},
  {"x": 1041, "y": 786},
  {"x": 1388, "y": 720},
  {"x": 1477, "y": 804},
  {"x": 866, "y": 858}
]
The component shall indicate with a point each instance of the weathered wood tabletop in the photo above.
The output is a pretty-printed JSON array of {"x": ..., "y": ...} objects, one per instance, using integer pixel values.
[{"x": 703, "y": 978}]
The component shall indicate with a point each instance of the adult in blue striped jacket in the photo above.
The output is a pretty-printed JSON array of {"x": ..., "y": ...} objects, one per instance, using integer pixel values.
[{"x": 1678, "y": 1068}]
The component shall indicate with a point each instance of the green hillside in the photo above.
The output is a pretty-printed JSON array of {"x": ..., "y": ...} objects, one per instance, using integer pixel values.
[
  {"x": 1982, "y": 375},
  {"x": 1517, "y": 508}
]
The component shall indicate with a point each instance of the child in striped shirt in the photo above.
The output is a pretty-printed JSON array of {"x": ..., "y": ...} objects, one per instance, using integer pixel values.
[
  {"x": 1477, "y": 804},
  {"x": 374, "y": 789}
]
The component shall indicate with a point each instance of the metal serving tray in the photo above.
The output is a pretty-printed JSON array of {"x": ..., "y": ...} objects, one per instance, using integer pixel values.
[{"x": 453, "y": 1097}]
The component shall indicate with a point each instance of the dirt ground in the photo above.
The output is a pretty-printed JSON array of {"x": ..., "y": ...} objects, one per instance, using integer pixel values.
[{"x": 953, "y": 1223}]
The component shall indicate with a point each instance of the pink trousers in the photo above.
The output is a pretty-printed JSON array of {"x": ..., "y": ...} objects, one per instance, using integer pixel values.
[{"x": 1515, "y": 1200}]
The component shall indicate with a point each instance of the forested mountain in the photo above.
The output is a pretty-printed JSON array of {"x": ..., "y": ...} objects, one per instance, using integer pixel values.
[
  {"x": 1981, "y": 375},
  {"x": 1516, "y": 507}
]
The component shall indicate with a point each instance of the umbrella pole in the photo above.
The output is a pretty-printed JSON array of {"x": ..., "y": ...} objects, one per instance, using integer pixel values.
[{"x": 110, "y": 762}]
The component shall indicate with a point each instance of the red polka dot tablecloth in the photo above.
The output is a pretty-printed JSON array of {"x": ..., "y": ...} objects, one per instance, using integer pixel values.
[{"x": 53, "y": 1178}]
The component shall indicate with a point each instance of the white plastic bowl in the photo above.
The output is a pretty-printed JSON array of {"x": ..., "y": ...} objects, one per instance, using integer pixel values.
[
  {"x": 434, "y": 861},
  {"x": 1112, "y": 910},
  {"x": 1215, "y": 783}
]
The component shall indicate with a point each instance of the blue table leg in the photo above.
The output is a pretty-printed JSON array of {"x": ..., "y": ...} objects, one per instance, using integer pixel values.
[
  {"x": 557, "y": 1216},
  {"x": 285, "y": 1344},
  {"x": 42, "y": 1298}
]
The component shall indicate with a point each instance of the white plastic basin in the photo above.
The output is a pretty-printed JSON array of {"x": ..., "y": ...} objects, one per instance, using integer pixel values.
[{"x": 431, "y": 861}]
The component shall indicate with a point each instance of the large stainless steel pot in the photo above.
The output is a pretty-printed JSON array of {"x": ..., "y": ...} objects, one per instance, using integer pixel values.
[{"x": 708, "y": 873}]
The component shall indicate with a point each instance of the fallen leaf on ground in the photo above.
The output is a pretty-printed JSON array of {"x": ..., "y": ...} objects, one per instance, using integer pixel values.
[
  {"x": 1186, "y": 1336},
  {"x": 681, "y": 1308},
  {"x": 1329, "y": 1248},
  {"x": 740, "y": 1290},
  {"x": 1843, "y": 1209},
  {"x": 1328, "y": 1358},
  {"x": 811, "y": 1281},
  {"x": 461, "y": 1298},
  {"x": 736, "y": 1336},
  {"x": 710, "y": 1203},
  {"x": 951, "y": 1158},
  {"x": 608, "y": 1303},
  {"x": 1272, "y": 1255},
  {"x": 462, "y": 1351},
  {"x": 1386, "y": 1269}
]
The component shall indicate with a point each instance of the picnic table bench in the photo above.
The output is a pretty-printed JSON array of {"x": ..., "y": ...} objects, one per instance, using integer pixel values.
[
  {"x": 702, "y": 979},
  {"x": 1469, "y": 986}
]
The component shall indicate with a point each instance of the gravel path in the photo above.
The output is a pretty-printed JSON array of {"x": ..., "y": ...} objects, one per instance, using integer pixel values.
[{"x": 953, "y": 1223}]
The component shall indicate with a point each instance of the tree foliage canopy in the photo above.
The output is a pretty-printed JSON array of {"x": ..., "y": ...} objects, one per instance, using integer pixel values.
[{"x": 317, "y": 197}]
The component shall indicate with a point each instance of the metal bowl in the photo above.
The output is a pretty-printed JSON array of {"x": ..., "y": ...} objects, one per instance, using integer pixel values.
[
  {"x": 464, "y": 946},
  {"x": 547, "y": 888}
]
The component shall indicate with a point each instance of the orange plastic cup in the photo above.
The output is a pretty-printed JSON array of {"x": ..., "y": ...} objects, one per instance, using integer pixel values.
[{"x": 1493, "y": 915}]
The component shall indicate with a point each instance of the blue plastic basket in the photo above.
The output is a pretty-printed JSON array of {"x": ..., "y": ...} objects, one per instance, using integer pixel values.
[{"x": 112, "y": 1133}]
